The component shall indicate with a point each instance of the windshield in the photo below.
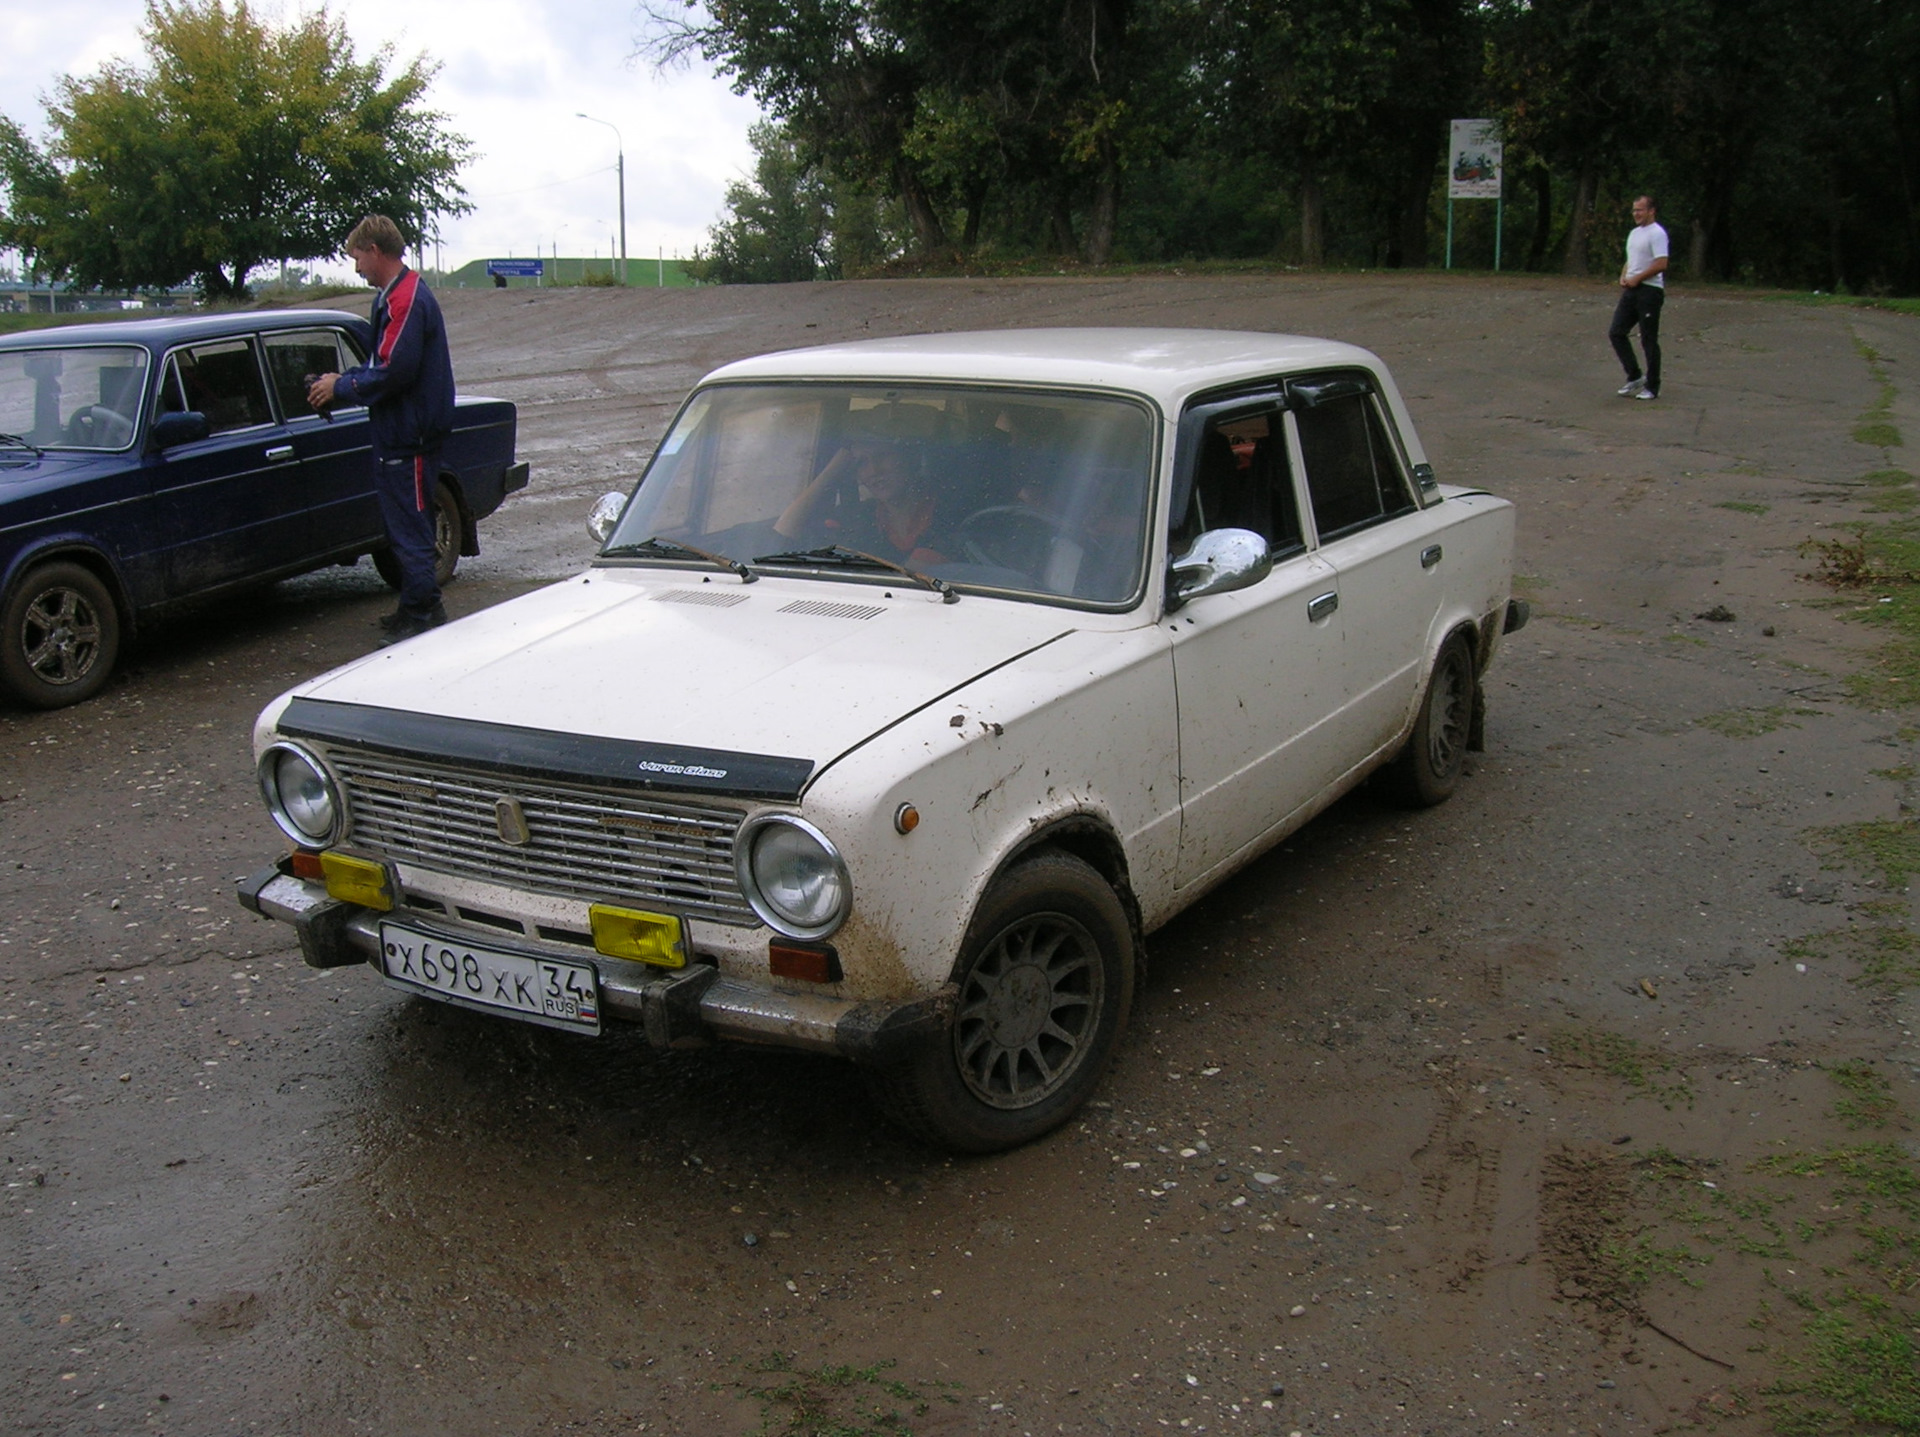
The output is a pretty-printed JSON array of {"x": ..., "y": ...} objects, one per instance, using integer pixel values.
[
  {"x": 73, "y": 398},
  {"x": 1018, "y": 491}
]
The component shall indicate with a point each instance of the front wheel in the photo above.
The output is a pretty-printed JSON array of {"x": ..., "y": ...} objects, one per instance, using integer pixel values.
[
  {"x": 1428, "y": 768},
  {"x": 446, "y": 541},
  {"x": 62, "y": 636},
  {"x": 1046, "y": 983}
]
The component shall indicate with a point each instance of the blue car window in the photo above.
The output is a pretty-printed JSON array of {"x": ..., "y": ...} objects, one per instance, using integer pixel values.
[
  {"x": 222, "y": 381},
  {"x": 294, "y": 356}
]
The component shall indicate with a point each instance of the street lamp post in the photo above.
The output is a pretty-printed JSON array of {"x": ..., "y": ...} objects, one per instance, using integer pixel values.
[{"x": 620, "y": 169}]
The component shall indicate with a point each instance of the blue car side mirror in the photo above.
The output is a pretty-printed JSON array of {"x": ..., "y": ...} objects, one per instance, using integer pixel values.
[{"x": 171, "y": 429}]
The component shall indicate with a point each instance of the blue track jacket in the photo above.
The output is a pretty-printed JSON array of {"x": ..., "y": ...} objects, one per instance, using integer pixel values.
[{"x": 407, "y": 385}]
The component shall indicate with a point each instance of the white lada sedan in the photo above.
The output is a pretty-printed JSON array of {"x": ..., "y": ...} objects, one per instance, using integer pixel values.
[{"x": 914, "y": 685}]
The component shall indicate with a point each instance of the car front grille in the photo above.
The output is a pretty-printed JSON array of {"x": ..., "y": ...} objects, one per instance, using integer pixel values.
[{"x": 581, "y": 842}]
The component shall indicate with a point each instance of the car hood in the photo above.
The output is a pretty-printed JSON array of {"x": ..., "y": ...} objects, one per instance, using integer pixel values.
[{"x": 795, "y": 669}]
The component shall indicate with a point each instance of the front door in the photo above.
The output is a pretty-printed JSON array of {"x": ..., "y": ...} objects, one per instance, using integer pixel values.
[
  {"x": 334, "y": 450},
  {"x": 1258, "y": 672}
]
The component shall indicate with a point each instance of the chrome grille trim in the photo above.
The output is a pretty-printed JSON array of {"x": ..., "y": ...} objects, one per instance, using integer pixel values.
[{"x": 584, "y": 843}]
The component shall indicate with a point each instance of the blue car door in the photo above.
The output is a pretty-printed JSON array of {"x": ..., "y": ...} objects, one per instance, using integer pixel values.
[
  {"x": 334, "y": 449},
  {"x": 231, "y": 503}
]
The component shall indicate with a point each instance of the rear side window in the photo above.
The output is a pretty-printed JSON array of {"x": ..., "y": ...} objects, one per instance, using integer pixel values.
[
  {"x": 221, "y": 381},
  {"x": 293, "y": 356},
  {"x": 1353, "y": 478}
]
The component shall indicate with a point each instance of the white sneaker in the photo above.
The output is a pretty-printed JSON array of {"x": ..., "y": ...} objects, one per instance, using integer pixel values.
[
  {"x": 1646, "y": 394},
  {"x": 1632, "y": 389}
]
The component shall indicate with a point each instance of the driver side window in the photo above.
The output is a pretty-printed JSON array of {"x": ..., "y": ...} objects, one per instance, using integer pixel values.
[
  {"x": 221, "y": 381},
  {"x": 1242, "y": 480}
]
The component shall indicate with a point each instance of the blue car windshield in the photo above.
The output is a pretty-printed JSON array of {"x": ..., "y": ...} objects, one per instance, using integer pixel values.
[
  {"x": 1032, "y": 493},
  {"x": 73, "y": 398}
]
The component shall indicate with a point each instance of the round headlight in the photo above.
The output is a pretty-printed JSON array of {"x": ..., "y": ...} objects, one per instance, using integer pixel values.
[
  {"x": 792, "y": 876},
  {"x": 300, "y": 795}
]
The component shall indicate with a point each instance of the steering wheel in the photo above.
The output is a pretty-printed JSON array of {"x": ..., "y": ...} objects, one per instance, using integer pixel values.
[
  {"x": 1010, "y": 536},
  {"x": 97, "y": 426}
]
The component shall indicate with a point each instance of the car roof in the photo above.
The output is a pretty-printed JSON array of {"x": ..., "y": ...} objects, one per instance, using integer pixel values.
[
  {"x": 1169, "y": 365},
  {"x": 166, "y": 331}
]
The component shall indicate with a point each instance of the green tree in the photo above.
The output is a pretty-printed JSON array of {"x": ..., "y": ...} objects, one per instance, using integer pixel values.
[{"x": 238, "y": 144}]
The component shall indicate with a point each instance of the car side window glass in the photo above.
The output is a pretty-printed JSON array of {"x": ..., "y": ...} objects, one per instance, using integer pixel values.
[
  {"x": 1353, "y": 479},
  {"x": 1242, "y": 480},
  {"x": 293, "y": 357},
  {"x": 222, "y": 381}
]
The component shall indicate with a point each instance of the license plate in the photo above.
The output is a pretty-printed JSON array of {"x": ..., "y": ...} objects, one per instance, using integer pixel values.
[{"x": 550, "y": 991}]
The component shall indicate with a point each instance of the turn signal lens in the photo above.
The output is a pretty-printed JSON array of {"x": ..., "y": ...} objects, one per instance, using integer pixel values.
[
  {"x": 639, "y": 937},
  {"x": 809, "y": 962},
  {"x": 357, "y": 880}
]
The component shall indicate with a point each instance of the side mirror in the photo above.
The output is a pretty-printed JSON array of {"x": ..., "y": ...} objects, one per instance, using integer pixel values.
[
  {"x": 171, "y": 429},
  {"x": 605, "y": 514},
  {"x": 1220, "y": 561}
]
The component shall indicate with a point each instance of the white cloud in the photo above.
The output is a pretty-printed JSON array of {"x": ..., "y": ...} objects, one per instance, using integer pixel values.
[{"x": 513, "y": 73}]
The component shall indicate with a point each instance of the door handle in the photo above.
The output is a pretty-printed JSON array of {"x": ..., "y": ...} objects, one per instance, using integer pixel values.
[
  {"x": 280, "y": 454},
  {"x": 1319, "y": 608},
  {"x": 1429, "y": 556}
]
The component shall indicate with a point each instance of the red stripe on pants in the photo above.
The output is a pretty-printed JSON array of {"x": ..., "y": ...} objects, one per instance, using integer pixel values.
[{"x": 420, "y": 483}]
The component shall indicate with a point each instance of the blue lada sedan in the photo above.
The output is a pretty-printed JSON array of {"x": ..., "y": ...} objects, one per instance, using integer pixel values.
[{"x": 146, "y": 463}]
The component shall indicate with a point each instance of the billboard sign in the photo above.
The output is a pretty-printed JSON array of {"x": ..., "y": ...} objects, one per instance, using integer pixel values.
[
  {"x": 517, "y": 268},
  {"x": 1474, "y": 160}
]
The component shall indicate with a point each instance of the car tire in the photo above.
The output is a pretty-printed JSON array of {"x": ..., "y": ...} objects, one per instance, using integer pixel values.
[
  {"x": 1046, "y": 981},
  {"x": 1428, "y": 769},
  {"x": 446, "y": 541},
  {"x": 61, "y": 638}
]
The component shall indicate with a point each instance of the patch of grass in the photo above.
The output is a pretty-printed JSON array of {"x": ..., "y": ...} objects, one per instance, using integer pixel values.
[
  {"x": 1882, "y": 953},
  {"x": 1871, "y": 1177},
  {"x": 1899, "y": 773},
  {"x": 832, "y": 1401},
  {"x": 1752, "y": 723},
  {"x": 1641, "y": 1068},
  {"x": 1866, "y": 1099},
  {"x": 1693, "y": 639},
  {"x": 1740, "y": 506},
  {"x": 1880, "y": 433},
  {"x": 1889, "y": 846}
]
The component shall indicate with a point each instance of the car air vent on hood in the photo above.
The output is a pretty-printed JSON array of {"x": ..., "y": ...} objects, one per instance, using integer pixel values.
[
  {"x": 700, "y": 596},
  {"x": 826, "y": 609}
]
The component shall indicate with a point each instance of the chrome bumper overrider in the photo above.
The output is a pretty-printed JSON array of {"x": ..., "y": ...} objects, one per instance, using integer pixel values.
[{"x": 678, "y": 1008}]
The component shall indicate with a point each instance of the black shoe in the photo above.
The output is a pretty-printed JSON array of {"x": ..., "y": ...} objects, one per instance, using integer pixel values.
[
  {"x": 390, "y": 622},
  {"x": 411, "y": 626}
]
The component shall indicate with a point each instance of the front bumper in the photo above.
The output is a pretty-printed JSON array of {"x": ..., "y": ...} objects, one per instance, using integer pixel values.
[{"x": 680, "y": 1008}]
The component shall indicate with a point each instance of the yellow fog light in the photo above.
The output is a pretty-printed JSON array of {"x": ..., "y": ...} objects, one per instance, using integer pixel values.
[
  {"x": 357, "y": 880},
  {"x": 642, "y": 937}
]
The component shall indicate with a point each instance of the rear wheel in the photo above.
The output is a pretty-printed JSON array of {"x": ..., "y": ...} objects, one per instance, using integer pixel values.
[
  {"x": 1046, "y": 983},
  {"x": 62, "y": 636},
  {"x": 1428, "y": 768},
  {"x": 446, "y": 541}
]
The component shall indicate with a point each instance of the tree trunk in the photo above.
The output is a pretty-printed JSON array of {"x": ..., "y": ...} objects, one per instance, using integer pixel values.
[
  {"x": 1313, "y": 239},
  {"x": 1542, "y": 178},
  {"x": 976, "y": 206},
  {"x": 1697, "y": 250},
  {"x": 1581, "y": 222},
  {"x": 929, "y": 235},
  {"x": 1106, "y": 204}
]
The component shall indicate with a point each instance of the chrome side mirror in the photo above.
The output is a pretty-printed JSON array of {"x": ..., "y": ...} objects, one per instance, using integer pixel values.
[
  {"x": 1220, "y": 561},
  {"x": 605, "y": 514}
]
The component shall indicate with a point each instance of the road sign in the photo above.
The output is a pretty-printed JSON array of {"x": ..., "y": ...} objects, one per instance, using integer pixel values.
[{"x": 517, "y": 268}]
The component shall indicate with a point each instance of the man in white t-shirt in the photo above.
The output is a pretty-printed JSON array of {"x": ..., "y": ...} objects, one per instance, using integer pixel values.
[{"x": 1643, "y": 289}]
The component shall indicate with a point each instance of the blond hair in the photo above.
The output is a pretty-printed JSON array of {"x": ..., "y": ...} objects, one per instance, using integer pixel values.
[{"x": 377, "y": 232}]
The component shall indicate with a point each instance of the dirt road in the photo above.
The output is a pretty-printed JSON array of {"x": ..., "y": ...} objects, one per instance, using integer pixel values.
[{"x": 1575, "y": 1105}]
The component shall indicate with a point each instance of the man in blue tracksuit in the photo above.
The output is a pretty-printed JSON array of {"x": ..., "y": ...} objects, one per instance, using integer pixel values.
[{"x": 407, "y": 386}]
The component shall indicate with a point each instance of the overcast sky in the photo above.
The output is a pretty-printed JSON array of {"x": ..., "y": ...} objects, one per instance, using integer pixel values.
[{"x": 513, "y": 73}]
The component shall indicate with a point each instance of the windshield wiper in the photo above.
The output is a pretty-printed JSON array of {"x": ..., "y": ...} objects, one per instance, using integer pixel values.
[
  {"x": 847, "y": 558},
  {"x": 658, "y": 545},
  {"x": 20, "y": 441}
]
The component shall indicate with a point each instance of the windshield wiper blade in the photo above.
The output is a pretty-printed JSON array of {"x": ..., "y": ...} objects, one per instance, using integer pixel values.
[
  {"x": 659, "y": 545},
  {"x": 20, "y": 441},
  {"x": 860, "y": 559}
]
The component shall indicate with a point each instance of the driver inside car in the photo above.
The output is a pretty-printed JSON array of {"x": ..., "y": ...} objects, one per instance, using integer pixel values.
[{"x": 873, "y": 496}]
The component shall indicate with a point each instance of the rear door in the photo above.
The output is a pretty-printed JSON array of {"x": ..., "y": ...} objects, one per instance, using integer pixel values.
[
  {"x": 231, "y": 504},
  {"x": 336, "y": 462}
]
